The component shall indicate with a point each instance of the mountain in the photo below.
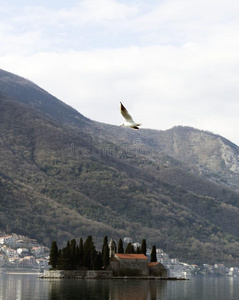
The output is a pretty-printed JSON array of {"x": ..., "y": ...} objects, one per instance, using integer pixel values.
[{"x": 64, "y": 176}]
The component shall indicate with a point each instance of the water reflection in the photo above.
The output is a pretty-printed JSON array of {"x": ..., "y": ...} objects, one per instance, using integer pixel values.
[
  {"x": 78, "y": 289},
  {"x": 26, "y": 287},
  {"x": 21, "y": 287},
  {"x": 106, "y": 289},
  {"x": 137, "y": 290}
]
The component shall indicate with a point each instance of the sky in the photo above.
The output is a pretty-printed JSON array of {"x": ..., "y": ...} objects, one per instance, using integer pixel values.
[{"x": 170, "y": 62}]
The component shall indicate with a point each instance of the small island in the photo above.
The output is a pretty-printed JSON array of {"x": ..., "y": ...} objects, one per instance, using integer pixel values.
[{"x": 82, "y": 261}]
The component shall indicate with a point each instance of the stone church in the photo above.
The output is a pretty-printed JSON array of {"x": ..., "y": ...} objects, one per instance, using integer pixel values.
[{"x": 127, "y": 264}]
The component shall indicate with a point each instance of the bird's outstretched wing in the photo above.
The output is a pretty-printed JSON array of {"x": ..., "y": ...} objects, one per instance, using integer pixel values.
[{"x": 126, "y": 114}]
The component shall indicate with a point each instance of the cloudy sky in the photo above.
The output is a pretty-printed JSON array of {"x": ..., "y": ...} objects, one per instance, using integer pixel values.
[{"x": 171, "y": 62}]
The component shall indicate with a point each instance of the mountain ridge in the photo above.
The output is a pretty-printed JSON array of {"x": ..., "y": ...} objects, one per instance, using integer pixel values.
[
  {"x": 25, "y": 91},
  {"x": 113, "y": 181}
]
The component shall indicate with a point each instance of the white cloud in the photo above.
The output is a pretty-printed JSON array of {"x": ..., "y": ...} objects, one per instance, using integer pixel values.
[
  {"x": 104, "y": 10},
  {"x": 109, "y": 23},
  {"x": 170, "y": 62}
]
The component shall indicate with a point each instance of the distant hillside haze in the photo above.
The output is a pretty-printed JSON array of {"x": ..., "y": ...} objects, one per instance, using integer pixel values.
[{"x": 64, "y": 176}]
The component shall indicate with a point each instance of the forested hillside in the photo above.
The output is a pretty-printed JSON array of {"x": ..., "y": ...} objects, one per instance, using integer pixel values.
[{"x": 63, "y": 176}]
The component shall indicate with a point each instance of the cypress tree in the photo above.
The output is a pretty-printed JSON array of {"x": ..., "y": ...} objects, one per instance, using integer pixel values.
[
  {"x": 138, "y": 250},
  {"x": 73, "y": 254},
  {"x": 105, "y": 256},
  {"x": 143, "y": 247},
  {"x": 129, "y": 248},
  {"x": 153, "y": 257},
  {"x": 59, "y": 253},
  {"x": 60, "y": 260},
  {"x": 89, "y": 253},
  {"x": 120, "y": 246},
  {"x": 54, "y": 255},
  {"x": 64, "y": 259},
  {"x": 79, "y": 254},
  {"x": 77, "y": 257},
  {"x": 67, "y": 256},
  {"x": 98, "y": 261},
  {"x": 105, "y": 241},
  {"x": 105, "y": 252}
]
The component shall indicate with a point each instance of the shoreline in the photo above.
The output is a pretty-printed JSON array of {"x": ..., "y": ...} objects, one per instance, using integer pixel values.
[
  {"x": 75, "y": 274},
  {"x": 20, "y": 272}
]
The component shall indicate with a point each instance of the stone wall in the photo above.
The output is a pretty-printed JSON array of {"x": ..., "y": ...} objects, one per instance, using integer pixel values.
[
  {"x": 130, "y": 267},
  {"x": 77, "y": 274},
  {"x": 158, "y": 270}
]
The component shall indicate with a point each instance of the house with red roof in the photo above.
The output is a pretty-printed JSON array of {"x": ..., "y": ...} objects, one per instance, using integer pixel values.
[
  {"x": 6, "y": 240},
  {"x": 129, "y": 264}
]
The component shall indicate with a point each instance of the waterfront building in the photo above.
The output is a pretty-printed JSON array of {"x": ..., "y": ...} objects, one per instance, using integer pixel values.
[{"x": 130, "y": 264}]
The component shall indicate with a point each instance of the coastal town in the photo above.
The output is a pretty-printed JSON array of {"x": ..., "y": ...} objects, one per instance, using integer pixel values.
[{"x": 20, "y": 253}]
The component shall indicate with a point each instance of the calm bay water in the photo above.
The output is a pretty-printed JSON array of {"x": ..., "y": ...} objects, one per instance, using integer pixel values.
[{"x": 29, "y": 287}]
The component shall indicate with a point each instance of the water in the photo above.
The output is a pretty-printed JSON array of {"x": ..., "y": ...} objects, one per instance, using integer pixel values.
[{"x": 29, "y": 287}]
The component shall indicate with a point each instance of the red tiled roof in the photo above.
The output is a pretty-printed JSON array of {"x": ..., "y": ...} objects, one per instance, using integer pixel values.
[{"x": 131, "y": 256}]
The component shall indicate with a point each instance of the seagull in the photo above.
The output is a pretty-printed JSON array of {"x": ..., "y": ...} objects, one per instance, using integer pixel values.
[{"x": 129, "y": 121}]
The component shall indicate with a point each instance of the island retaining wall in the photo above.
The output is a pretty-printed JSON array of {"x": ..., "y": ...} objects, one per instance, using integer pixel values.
[{"x": 77, "y": 274}]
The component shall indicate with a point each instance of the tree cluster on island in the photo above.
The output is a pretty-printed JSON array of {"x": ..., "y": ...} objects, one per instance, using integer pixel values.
[{"x": 85, "y": 256}]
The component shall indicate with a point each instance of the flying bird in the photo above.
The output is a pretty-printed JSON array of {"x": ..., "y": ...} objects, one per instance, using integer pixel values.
[{"x": 129, "y": 121}]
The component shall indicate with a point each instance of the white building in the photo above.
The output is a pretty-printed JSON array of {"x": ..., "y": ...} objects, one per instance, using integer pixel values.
[
  {"x": 233, "y": 271},
  {"x": 6, "y": 240},
  {"x": 128, "y": 240},
  {"x": 10, "y": 252},
  {"x": 136, "y": 245},
  {"x": 178, "y": 271},
  {"x": 22, "y": 251}
]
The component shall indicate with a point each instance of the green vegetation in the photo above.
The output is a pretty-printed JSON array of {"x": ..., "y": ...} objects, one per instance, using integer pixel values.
[
  {"x": 79, "y": 256},
  {"x": 153, "y": 256},
  {"x": 54, "y": 255},
  {"x": 143, "y": 246},
  {"x": 84, "y": 255},
  {"x": 120, "y": 246},
  {"x": 129, "y": 248},
  {"x": 105, "y": 252},
  {"x": 63, "y": 176}
]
